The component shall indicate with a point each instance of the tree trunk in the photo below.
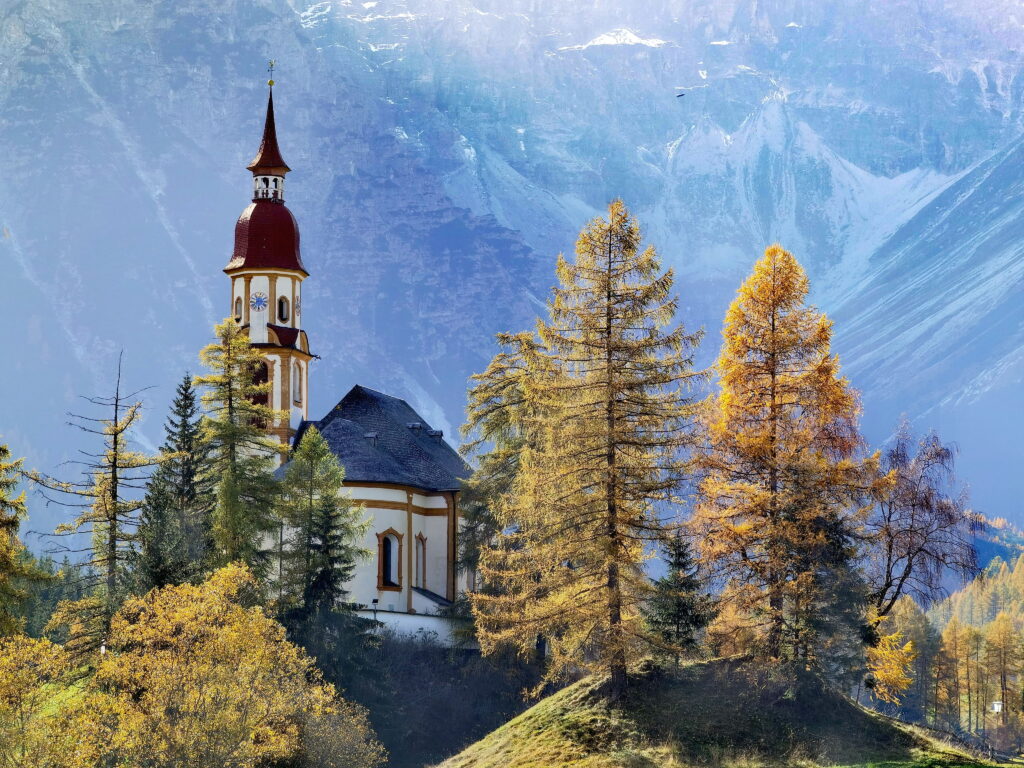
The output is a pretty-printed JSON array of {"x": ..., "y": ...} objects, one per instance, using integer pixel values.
[{"x": 617, "y": 662}]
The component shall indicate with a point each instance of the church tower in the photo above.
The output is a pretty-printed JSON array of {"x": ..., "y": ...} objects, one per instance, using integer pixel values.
[{"x": 266, "y": 275}]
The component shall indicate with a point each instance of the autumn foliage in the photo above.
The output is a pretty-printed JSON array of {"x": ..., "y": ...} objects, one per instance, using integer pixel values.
[
  {"x": 782, "y": 467},
  {"x": 192, "y": 676}
]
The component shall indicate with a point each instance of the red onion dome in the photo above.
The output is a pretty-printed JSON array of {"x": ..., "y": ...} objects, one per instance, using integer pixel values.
[{"x": 266, "y": 237}]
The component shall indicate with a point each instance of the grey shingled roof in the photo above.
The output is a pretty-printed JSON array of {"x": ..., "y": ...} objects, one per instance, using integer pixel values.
[{"x": 399, "y": 454}]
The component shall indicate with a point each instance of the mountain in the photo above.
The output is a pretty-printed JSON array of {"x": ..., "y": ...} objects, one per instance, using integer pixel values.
[{"x": 445, "y": 151}]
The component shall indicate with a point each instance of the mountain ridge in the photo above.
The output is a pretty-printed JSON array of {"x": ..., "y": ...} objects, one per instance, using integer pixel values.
[{"x": 445, "y": 152}]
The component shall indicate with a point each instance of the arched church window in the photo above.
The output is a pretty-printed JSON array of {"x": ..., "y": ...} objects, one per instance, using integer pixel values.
[
  {"x": 296, "y": 383},
  {"x": 421, "y": 561},
  {"x": 238, "y": 309},
  {"x": 282, "y": 309},
  {"x": 389, "y": 562}
]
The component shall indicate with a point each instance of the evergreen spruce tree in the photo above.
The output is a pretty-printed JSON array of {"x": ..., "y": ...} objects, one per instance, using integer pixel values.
[
  {"x": 322, "y": 530},
  {"x": 242, "y": 457},
  {"x": 14, "y": 568},
  {"x": 608, "y": 418},
  {"x": 174, "y": 538},
  {"x": 783, "y": 471},
  {"x": 678, "y": 609}
]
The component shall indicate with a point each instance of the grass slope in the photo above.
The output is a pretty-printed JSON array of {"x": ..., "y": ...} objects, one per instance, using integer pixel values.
[{"x": 719, "y": 713}]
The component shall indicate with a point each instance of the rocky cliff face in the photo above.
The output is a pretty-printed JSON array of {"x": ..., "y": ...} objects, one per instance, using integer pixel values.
[{"x": 445, "y": 151}]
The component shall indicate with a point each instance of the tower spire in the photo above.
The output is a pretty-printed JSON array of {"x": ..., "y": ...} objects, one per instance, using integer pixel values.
[{"x": 268, "y": 160}]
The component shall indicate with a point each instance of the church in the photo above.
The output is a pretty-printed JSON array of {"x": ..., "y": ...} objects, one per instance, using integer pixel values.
[{"x": 400, "y": 469}]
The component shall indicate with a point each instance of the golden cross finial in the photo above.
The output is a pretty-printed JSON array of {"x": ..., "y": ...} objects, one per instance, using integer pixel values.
[{"x": 270, "y": 68}]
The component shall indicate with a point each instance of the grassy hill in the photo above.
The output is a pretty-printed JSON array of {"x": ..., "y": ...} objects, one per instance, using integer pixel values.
[{"x": 720, "y": 713}]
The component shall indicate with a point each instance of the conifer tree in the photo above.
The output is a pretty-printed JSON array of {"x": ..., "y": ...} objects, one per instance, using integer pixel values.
[
  {"x": 108, "y": 500},
  {"x": 782, "y": 465},
  {"x": 14, "y": 568},
  {"x": 174, "y": 533},
  {"x": 501, "y": 424},
  {"x": 913, "y": 626},
  {"x": 323, "y": 529},
  {"x": 608, "y": 409},
  {"x": 242, "y": 456},
  {"x": 951, "y": 679},
  {"x": 1002, "y": 662},
  {"x": 890, "y": 662},
  {"x": 678, "y": 609}
]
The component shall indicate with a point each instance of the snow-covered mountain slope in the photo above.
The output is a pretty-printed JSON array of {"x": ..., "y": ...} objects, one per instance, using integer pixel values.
[{"x": 445, "y": 150}]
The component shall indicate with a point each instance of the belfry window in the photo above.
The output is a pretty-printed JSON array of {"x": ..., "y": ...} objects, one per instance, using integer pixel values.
[
  {"x": 389, "y": 560},
  {"x": 282, "y": 309},
  {"x": 296, "y": 383},
  {"x": 238, "y": 309}
]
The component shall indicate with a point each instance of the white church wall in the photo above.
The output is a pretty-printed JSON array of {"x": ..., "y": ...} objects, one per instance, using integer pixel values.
[
  {"x": 377, "y": 494},
  {"x": 415, "y": 623},
  {"x": 363, "y": 587},
  {"x": 436, "y": 531},
  {"x": 430, "y": 502}
]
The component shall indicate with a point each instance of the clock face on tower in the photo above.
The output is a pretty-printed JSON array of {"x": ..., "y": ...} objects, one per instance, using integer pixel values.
[{"x": 258, "y": 301}]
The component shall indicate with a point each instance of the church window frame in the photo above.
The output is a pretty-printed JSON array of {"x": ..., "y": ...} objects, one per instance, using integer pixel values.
[
  {"x": 283, "y": 309},
  {"x": 389, "y": 561},
  {"x": 238, "y": 309},
  {"x": 296, "y": 383}
]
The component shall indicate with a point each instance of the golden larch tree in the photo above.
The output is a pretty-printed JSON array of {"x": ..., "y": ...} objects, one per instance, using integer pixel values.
[
  {"x": 890, "y": 662},
  {"x": 1002, "y": 663},
  {"x": 782, "y": 466},
  {"x": 12, "y": 566},
  {"x": 242, "y": 456},
  {"x": 597, "y": 413},
  {"x": 106, "y": 501}
]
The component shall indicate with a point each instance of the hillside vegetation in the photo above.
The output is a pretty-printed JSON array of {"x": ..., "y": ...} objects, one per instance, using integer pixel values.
[{"x": 719, "y": 713}]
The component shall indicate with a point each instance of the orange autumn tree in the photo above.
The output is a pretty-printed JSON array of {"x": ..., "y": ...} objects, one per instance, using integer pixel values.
[
  {"x": 589, "y": 420},
  {"x": 890, "y": 662},
  {"x": 782, "y": 468}
]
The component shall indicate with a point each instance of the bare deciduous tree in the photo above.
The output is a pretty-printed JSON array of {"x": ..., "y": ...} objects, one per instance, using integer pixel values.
[{"x": 921, "y": 527}]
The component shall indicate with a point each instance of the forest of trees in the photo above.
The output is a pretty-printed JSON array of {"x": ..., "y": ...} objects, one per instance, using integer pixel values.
[
  {"x": 966, "y": 673},
  {"x": 600, "y": 447}
]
